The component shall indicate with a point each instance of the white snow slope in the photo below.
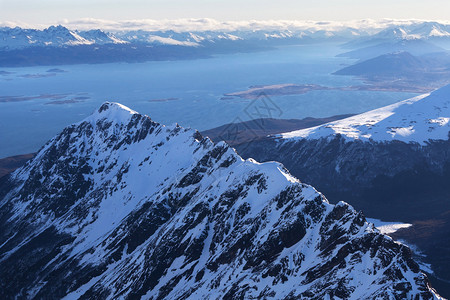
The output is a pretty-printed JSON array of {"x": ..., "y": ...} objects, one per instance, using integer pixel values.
[{"x": 416, "y": 120}]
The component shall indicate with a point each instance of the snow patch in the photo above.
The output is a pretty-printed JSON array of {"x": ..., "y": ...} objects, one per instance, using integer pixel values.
[{"x": 388, "y": 227}]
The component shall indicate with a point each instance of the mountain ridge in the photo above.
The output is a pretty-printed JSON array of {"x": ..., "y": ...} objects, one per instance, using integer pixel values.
[
  {"x": 415, "y": 120},
  {"x": 120, "y": 206}
]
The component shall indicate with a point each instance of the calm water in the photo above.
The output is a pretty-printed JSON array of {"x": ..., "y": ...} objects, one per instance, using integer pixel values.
[{"x": 196, "y": 88}]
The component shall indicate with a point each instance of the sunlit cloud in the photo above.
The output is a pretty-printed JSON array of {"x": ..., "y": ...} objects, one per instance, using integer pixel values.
[{"x": 206, "y": 24}]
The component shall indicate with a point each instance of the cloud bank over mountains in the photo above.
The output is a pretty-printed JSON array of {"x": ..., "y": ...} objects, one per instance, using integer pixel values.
[{"x": 207, "y": 24}]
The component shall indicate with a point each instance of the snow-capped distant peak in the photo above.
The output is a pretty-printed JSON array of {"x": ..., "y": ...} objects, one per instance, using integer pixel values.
[
  {"x": 418, "y": 120},
  {"x": 170, "y": 41},
  {"x": 436, "y": 32},
  {"x": 401, "y": 32},
  {"x": 79, "y": 40},
  {"x": 227, "y": 36},
  {"x": 55, "y": 29}
]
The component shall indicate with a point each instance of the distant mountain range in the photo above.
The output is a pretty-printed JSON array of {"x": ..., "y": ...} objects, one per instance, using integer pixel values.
[
  {"x": 59, "y": 45},
  {"x": 427, "y": 31},
  {"x": 60, "y": 36},
  {"x": 402, "y": 70},
  {"x": 415, "y": 47},
  {"x": 412, "y": 58},
  {"x": 54, "y": 36},
  {"x": 13, "y": 38}
]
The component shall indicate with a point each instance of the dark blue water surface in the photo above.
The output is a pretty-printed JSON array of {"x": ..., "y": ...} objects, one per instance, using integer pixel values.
[{"x": 195, "y": 89}]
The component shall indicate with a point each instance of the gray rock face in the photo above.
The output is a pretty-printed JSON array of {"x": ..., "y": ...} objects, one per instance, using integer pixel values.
[{"x": 118, "y": 206}]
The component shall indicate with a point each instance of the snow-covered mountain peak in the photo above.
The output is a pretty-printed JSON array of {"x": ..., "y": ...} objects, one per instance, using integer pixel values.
[
  {"x": 437, "y": 32},
  {"x": 430, "y": 30},
  {"x": 121, "y": 206},
  {"x": 112, "y": 112},
  {"x": 56, "y": 29},
  {"x": 417, "y": 120},
  {"x": 396, "y": 33},
  {"x": 425, "y": 30}
]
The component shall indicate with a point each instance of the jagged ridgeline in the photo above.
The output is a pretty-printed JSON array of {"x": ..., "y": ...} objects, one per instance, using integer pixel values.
[{"x": 118, "y": 206}]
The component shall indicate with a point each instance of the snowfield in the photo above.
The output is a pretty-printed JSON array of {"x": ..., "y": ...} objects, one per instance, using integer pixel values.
[{"x": 416, "y": 120}]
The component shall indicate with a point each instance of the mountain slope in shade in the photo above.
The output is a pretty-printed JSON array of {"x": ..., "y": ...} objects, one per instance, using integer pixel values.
[
  {"x": 426, "y": 31},
  {"x": 415, "y": 120},
  {"x": 118, "y": 206},
  {"x": 248, "y": 131},
  {"x": 399, "y": 64},
  {"x": 415, "y": 47},
  {"x": 10, "y": 164}
]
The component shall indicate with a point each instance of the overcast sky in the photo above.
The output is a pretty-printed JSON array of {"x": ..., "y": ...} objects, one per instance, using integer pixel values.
[{"x": 54, "y": 11}]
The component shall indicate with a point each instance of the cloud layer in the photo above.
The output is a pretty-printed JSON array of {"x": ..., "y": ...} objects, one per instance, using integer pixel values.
[{"x": 206, "y": 24}]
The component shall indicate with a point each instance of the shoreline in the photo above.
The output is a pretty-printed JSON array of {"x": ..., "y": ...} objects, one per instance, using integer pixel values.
[{"x": 289, "y": 89}]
